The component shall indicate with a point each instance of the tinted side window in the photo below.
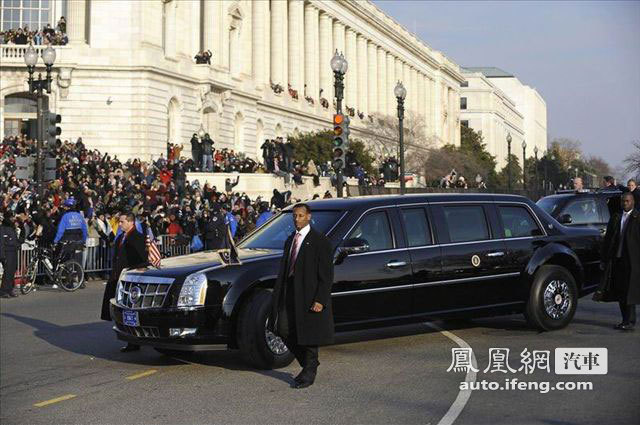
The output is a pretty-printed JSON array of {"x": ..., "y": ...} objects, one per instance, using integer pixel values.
[
  {"x": 583, "y": 211},
  {"x": 374, "y": 228},
  {"x": 466, "y": 223},
  {"x": 415, "y": 223},
  {"x": 518, "y": 222}
]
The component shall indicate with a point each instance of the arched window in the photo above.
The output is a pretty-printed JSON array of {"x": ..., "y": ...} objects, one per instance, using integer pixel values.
[
  {"x": 173, "y": 121},
  {"x": 238, "y": 134},
  {"x": 210, "y": 122},
  {"x": 279, "y": 132}
]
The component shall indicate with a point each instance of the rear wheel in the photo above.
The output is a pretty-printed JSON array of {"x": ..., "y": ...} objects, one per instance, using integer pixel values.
[
  {"x": 29, "y": 281},
  {"x": 70, "y": 275},
  {"x": 259, "y": 347},
  {"x": 553, "y": 298}
]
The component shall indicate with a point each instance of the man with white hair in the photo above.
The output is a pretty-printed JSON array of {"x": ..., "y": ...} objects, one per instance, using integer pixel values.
[{"x": 577, "y": 184}]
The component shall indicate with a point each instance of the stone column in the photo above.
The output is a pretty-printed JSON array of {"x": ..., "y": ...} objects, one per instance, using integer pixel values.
[
  {"x": 296, "y": 46},
  {"x": 414, "y": 88},
  {"x": 363, "y": 71},
  {"x": 391, "y": 84},
  {"x": 311, "y": 50},
  {"x": 278, "y": 54},
  {"x": 372, "y": 77},
  {"x": 209, "y": 29},
  {"x": 406, "y": 80},
  {"x": 326, "y": 53},
  {"x": 351, "y": 80},
  {"x": 422, "y": 98},
  {"x": 260, "y": 12},
  {"x": 382, "y": 81},
  {"x": 76, "y": 21}
]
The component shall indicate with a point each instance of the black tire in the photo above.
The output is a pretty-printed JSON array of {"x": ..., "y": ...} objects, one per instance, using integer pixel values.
[
  {"x": 252, "y": 335},
  {"x": 70, "y": 276},
  {"x": 553, "y": 299},
  {"x": 29, "y": 281}
]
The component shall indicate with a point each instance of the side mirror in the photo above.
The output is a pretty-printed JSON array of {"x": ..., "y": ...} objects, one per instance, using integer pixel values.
[
  {"x": 565, "y": 219},
  {"x": 351, "y": 246}
]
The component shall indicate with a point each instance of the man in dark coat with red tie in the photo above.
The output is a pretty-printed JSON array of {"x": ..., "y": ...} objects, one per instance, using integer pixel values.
[
  {"x": 129, "y": 252},
  {"x": 621, "y": 255},
  {"x": 301, "y": 311}
]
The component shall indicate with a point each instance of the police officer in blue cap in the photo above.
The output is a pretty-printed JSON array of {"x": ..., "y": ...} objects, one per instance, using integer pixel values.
[{"x": 72, "y": 228}]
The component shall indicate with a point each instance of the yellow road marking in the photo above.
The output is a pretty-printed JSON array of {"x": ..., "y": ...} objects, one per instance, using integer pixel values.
[
  {"x": 141, "y": 374},
  {"x": 54, "y": 400}
]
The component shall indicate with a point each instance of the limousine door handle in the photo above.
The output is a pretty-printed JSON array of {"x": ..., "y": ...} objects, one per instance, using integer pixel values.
[
  {"x": 396, "y": 264},
  {"x": 496, "y": 254}
]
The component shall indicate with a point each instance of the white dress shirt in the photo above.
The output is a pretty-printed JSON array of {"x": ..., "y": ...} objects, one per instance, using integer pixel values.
[
  {"x": 624, "y": 218},
  {"x": 303, "y": 233}
]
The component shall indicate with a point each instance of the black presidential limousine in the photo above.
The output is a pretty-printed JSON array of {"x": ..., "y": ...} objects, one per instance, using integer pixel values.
[{"x": 398, "y": 259}]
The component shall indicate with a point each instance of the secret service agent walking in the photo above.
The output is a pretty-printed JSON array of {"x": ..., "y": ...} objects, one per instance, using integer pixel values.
[
  {"x": 129, "y": 252},
  {"x": 621, "y": 253},
  {"x": 8, "y": 256},
  {"x": 301, "y": 311}
]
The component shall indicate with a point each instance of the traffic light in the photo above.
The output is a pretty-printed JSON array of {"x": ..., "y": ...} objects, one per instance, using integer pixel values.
[
  {"x": 51, "y": 130},
  {"x": 340, "y": 141}
]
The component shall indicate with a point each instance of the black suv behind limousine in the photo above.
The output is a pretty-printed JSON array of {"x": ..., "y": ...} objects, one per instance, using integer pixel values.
[{"x": 398, "y": 259}]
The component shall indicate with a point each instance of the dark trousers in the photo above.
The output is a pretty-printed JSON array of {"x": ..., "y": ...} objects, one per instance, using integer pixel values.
[
  {"x": 307, "y": 355},
  {"x": 628, "y": 313},
  {"x": 9, "y": 264}
]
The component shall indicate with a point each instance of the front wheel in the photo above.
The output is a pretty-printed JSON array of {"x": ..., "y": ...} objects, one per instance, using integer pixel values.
[
  {"x": 553, "y": 298},
  {"x": 260, "y": 347},
  {"x": 70, "y": 275},
  {"x": 29, "y": 281}
]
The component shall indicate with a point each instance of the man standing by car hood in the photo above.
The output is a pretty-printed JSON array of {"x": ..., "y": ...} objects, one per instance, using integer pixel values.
[{"x": 301, "y": 311}]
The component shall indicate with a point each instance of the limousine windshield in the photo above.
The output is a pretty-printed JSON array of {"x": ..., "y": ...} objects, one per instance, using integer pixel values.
[{"x": 273, "y": 234}]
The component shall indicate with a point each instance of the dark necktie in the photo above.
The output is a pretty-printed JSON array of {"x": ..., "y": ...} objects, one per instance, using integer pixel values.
[{"x": 294, "y": 253}]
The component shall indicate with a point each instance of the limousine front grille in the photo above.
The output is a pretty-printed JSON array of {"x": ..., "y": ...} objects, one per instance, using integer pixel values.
[
  {"x": 140, "y": 295},
  {"x": 140, "y": 331}
]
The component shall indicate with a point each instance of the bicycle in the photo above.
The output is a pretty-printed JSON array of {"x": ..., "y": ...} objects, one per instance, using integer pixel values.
[{"x": 68, "y": 274}]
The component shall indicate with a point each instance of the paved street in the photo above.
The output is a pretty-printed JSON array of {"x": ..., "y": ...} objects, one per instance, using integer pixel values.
[{"x": 56, "y": 350}]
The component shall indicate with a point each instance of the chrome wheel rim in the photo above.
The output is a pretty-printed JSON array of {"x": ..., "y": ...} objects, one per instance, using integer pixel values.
[
  {"x": 557, "y": 299},
  {"x": 274, "y": 342}
]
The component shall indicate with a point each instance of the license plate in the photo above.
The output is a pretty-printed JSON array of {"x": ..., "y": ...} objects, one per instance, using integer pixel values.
[{"x": 130, "y": 318}]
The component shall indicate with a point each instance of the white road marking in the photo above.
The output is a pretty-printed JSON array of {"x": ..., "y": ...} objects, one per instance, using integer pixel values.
[{"x": 463, "y": 395}]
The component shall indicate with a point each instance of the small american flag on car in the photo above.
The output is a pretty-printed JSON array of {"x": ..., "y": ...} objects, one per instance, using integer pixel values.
[{"x": 154, "y": 252}]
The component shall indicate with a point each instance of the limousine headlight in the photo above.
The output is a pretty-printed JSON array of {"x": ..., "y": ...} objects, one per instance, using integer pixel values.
[
  {"x": 119, "y": 293},
  {"x": 194, "y": 291}
]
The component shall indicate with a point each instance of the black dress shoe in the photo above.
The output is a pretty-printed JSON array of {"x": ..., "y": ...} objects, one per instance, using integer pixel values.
[
  {"x": 627, "y": 327},
  {"x": 618, "y": 326},
  {"x": 303, "y": 384},
  {"x": 130, "y": 347}
]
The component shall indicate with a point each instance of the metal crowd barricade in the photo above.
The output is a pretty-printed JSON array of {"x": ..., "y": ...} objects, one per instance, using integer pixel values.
[{"x": 96, "y": 256}]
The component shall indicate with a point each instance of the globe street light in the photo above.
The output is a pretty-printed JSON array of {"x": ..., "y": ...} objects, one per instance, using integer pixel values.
[
  {"x": 201, "y": 132},
  {"x": 339, "y": 65},
  {"x": 401, "y": 93},
  {"x": 509, "y": 161},
  {"x": 524, "y": 169},
  {"x": 38, "y": 87}
]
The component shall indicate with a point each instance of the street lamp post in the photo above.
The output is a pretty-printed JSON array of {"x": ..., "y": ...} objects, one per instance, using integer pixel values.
[
  {"x": 339, "y": 65},
  {"x": 524, "y": 168},
  {"x": 401, "y": 93},
  {"x": 38, "y": 87},
  {"x": 509, "y": 161},
  {"x": 535, "y": 154}
]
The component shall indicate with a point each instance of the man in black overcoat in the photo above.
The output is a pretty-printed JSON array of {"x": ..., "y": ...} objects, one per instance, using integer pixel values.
[
  {"x": 621, "y": 256},
  {"x": 301, "y": 312},
  {"x": 129, "y": 252}
]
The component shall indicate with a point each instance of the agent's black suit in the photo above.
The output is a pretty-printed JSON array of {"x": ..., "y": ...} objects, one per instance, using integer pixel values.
[
  {"x": 130, "y": 253},
  {"x": 302, "y": 329}
]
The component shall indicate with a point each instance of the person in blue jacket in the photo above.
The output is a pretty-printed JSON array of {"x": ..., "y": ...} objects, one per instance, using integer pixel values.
[
  {"x": 229, "y": 219},
  {"x": 72, "y": 228},
  {"x": 265, "y": 214}
]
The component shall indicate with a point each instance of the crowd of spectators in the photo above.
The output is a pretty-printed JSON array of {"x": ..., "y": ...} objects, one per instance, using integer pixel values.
[
  {"x": 203, "y": 57},
  {"x": 105, "y": 187},
  {"x": 46, "y": 36}
]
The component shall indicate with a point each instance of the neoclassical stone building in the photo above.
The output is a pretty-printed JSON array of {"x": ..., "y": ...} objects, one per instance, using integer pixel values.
[{"x": 127, "y": 81}]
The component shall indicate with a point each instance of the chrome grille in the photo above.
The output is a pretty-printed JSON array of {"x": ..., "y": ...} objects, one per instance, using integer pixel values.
[
  {"x": 151, "y": 294},
  {"x": 141, "y": 331}
]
